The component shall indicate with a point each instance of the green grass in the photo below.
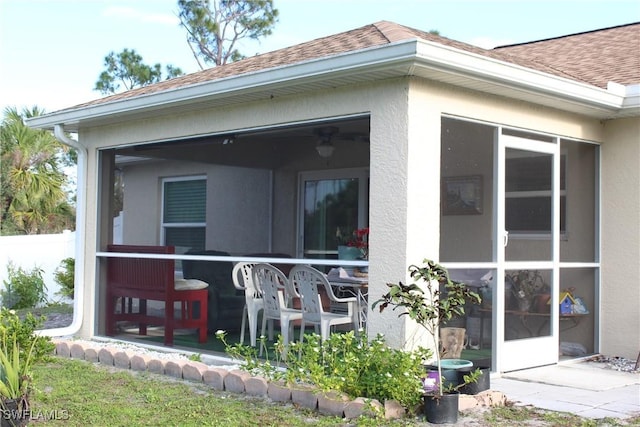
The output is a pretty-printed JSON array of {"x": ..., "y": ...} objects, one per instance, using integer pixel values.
[
  {"x": 72, "y": 392},
  {"x": 81, "y": 394},
  {"x": 53, "y": 308}
]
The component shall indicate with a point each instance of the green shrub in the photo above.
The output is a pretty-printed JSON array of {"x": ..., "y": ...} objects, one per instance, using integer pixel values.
[
  {"x": 345, "y": 362},
  {"x": 23, "y": 289},
  {"x": 64, "y": 276},
  {"x": 358, "y": 367},
  {"x": 24, "y": 332}
]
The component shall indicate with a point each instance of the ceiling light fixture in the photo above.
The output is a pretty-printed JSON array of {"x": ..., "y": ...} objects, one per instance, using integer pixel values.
[{"x": 324, "y": 147}]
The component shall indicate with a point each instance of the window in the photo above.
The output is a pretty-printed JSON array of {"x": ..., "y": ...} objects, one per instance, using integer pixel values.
[
  {"x": 528, "y": 194},
  {"x": 330, "y": 201},
  {"x": 184, "y": 210}
]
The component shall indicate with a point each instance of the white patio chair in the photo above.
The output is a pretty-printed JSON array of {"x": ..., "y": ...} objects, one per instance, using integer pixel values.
[
  {"x": 306, "y": 279},
  {"x": 273, "y": 283},
  {"x": 243, "y": 280}
]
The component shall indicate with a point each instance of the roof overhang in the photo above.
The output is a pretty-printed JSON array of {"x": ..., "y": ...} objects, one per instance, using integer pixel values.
[{"x": 416, "y": 57}]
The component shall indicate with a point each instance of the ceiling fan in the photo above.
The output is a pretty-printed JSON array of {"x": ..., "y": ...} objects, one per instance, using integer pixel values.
[{"x": 325, "y": 134}]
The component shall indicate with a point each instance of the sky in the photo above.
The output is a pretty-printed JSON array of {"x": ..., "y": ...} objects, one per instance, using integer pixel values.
[{"x": 52, "y": 51}]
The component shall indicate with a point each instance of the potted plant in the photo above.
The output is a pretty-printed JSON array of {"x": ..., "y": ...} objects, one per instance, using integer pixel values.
[
  {"x": 353, "y": 245},
  {"x": 432, "y": 299},
  {"x": 526, "y": 287},
  {"x": 15, "y": 384}
]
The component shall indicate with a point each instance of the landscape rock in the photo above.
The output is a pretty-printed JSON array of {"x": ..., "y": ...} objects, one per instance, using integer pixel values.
[
  {"x": 193, "y": 371},
  {"x": 214, "y": 377},
  {"x": 279, "y": 392},
  {"x": 363, "y": 406},
  {"x": 234, "y": 381},
  {"x": 256, "y": 386}
]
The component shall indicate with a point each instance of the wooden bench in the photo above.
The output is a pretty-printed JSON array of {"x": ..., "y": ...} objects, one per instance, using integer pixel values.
[{"x": 146, "y": 279}]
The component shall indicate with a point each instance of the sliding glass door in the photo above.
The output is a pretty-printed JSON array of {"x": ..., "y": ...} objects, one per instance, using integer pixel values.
[{"x": 331, "y": 202}]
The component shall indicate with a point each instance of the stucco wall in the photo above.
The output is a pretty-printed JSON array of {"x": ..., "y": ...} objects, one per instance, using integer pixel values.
[
  {"x": 620, "y": 300},
  {"x": 236, "y": 223},
  {"x": 405, "y": 117},
  {"x": 386, "y": 103}
]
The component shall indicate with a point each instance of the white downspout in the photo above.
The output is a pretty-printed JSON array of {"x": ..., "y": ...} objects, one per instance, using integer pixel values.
[{"x": 78, "y": 290}]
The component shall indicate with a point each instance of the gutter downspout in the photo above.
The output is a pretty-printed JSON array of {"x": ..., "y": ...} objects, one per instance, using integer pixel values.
[{"x": 78, "y": 290}]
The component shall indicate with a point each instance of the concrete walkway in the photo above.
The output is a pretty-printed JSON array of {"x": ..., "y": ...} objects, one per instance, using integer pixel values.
[{"x": 584, "y": 389}]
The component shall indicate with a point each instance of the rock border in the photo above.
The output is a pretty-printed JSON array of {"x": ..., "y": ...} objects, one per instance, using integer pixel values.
[{"x": 239, "y": 381}]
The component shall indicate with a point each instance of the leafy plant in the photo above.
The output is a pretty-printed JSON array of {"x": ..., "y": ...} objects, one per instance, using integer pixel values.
[
  {"x": 432, "y": 299},
  {"x": 357, "y": 239},
  {"x": 65, "y": 277},
  {"x": 15, "y": 371},
  {"x": 359, "y": 367},
  {"x": 24, "y": 332},
  {"x": 23, "y": 289},
  {"x": 525, "y": 285},
  {"x": 249, "y": 355},
  {"x": 345, "y": 363},
  {"x": 195, "y": 357}
]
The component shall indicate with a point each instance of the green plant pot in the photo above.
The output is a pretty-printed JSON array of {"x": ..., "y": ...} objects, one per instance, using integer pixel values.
[
  {"x": 441, "y": 409},
  {"x": 450, "y": 368},
  {"x": 348, "y": 252}
]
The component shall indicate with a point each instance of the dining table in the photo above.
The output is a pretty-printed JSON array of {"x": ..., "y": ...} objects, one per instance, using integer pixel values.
[{"x": 351, "y": 283}]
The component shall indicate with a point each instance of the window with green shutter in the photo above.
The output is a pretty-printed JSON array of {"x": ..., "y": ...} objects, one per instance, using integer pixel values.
[{"x": 184, "y": 211}]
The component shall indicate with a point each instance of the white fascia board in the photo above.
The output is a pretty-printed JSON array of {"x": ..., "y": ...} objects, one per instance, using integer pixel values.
[
  {"x": 630, "y": 92},
  {"x": 372, "y": 58},
  {"x": 404, "y": 58},
  {"x": 516, "y": 76}
]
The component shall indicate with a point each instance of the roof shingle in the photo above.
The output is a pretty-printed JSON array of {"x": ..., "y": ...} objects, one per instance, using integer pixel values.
[{"x": 596, "y": 57}]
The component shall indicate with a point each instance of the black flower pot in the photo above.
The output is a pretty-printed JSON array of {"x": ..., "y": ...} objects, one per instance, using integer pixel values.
[
  {"x": 14, "y": 412},
  {"x": 482, "y": 384},
  {"x": 441, "y": 409}
]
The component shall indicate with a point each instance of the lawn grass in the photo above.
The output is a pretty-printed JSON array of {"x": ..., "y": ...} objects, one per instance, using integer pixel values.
[
  {"x": 77, "y": 393},
  {"x": 73, "y": 392}
]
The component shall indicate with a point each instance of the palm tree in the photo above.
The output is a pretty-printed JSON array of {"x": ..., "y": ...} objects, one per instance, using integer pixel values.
[{"x": 32, "y": 190}]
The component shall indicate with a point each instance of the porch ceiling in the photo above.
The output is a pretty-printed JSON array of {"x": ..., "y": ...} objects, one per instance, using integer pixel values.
[{"x": 269, "y": 149}]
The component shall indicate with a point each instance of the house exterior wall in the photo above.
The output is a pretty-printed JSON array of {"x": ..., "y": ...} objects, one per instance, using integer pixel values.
[
  {"x": 387, "y": 105},
  {"x": 620, "y": 219},
  {"x": 405, "y": 117}
]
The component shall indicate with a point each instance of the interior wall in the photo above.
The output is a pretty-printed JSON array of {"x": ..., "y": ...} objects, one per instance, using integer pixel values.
[
  {"x": 469, "y": 153},
  {"x": 236, "y": 223}
]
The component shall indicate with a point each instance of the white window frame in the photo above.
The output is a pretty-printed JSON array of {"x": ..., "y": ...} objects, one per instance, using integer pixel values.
[{"x": 362, "y": 174}]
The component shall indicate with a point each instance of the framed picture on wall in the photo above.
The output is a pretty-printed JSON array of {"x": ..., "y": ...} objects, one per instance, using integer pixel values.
[{"x": 462, "y": 195}]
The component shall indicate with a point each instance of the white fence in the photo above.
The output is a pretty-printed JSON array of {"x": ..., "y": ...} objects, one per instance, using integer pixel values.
[{"x": 44, "y": 251}]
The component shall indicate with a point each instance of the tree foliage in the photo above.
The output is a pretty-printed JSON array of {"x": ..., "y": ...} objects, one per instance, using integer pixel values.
[
  {"x": 33, "y": 197},
  {"x": 126, "y": 71},
  {"x": 215, "y": 27}
]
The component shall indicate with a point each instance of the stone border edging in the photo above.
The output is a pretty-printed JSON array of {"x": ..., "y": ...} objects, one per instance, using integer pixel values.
[{"x": 239, "y": 381}]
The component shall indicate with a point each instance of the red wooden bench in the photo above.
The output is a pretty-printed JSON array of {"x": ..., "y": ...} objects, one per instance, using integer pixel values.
[{"x": 151, "y": 279}]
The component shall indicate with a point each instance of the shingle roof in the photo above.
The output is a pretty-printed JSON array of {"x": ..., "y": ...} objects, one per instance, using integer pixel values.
[
  {"x": 595, "y": 57},
  {"x": 560, "y": 57}
]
